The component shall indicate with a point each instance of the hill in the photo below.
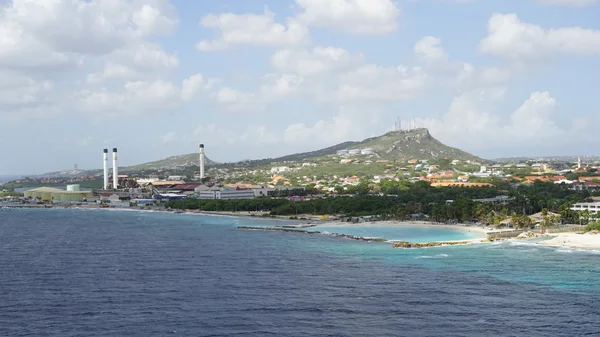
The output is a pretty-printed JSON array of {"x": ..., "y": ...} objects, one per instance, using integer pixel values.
[
  {"x": 394, "y": 145},
  {"x": 412, "y": 144},
  {"x": 174, "y": 162}
]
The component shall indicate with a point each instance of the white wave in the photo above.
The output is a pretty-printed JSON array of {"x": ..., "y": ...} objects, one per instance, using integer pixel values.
[
  {"x": 439, "y": 256},
  {"x": 522, "y": 243}
]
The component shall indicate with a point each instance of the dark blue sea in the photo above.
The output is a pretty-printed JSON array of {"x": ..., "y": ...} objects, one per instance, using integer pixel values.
[{"x": 126, "y": 273}]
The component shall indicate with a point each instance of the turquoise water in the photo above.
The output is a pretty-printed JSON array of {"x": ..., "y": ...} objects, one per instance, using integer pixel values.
[
  {"x": 127, "y": 273},
  {"x": 402, "y": 233}
]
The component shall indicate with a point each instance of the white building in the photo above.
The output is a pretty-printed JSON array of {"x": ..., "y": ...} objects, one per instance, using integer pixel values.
[
  {"x": 280, "y": 169},
  {"x": 227, "y": 193},
  {"x": 593, "y": 207},
  {"x": 175, "y": 178},
  {"x": 145, "y": 181}
]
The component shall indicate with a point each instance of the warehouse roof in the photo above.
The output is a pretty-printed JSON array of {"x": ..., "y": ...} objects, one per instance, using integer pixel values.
[{"x": 45, "y": 189}]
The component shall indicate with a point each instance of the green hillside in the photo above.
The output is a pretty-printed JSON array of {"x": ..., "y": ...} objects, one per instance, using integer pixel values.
[
  {"x": 173, "y": 162},
  {"x": 395, "y": 145},
  {"x": 412, "y": 144}
]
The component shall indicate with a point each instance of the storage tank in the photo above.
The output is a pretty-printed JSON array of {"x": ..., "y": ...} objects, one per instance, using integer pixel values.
[
  {"x": 355, "y": 151},
  {"x": 73, "y": 188},
  {"x": 342, "y": 152},
  {"x": 367, "y": 151}
]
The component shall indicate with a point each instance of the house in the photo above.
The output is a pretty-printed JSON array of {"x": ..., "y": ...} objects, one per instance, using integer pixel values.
[{"x": 592, "y": 207}]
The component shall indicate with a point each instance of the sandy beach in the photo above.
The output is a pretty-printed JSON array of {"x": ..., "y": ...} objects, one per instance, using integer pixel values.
[{"x": 573, "y": 240}]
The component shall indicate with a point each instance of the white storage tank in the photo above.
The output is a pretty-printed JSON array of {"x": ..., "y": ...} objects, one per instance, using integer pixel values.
[
  {"x": 342, "y": 152},
  {"x": 367, "y": 151},
  {"x": 355, "y": 151},
  {"x": 73, "y": 188}
]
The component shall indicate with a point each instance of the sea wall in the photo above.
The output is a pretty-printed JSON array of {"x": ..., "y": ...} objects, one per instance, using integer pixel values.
[
  {"x": 288, "y": 229},
  {"x": 504, "y": 235},
  {"x": 404, "y": 244}
]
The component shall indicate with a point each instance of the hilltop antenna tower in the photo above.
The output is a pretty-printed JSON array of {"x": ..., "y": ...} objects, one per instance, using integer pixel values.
[{"x": 398, "y": 125}]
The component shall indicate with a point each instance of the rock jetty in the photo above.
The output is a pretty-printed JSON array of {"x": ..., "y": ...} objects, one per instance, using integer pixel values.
[
  {"x": 288, "y": 229},
  {"x": 404, "y": 244}
]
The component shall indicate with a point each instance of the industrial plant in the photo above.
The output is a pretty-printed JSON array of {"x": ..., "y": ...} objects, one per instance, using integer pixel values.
[{"x": 120, "y": 190}]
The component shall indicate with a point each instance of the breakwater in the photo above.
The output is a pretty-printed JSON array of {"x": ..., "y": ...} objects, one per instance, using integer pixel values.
[
  {"x": 287, "y": 229},
  {"x": 397, "y": 244},
  {"x": 405, "y": 244}
]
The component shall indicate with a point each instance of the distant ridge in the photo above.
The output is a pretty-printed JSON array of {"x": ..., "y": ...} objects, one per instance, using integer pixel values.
[{"x": 394, "y": 145}]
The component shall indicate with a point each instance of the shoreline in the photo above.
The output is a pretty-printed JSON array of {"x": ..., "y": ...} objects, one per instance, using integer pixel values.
[
  {"x": 587, "y": 241},
  {"x": 565, "y": 240},
  {"x": 422, "y": 224}
]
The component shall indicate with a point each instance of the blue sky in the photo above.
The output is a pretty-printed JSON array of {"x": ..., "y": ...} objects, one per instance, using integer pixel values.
[{"x": 255, "y": 79}]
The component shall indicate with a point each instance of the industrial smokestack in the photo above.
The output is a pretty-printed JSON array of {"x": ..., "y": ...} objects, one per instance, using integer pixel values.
[
  {"x": 115, "y": 170},
  {"x": 105, "y": 169},
  {"x": 201, "y": 161}
]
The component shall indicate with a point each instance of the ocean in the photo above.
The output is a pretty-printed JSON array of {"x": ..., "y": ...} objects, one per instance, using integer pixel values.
[{"x": 128, "y": 273}]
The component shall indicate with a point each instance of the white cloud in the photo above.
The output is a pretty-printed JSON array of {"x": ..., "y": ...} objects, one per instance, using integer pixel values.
[
  {"x": 509, "y": 37},
  {"x": 371, "y": 82},
  {"x": 280, "y": 86},
  {"x": 252, "y": 135},
  {"x": 430, "y": 50},
  {"x": 139, "y": 61},
  {"x": 345, "y": 125},
  {"x": 135, "y": 98},
  {"x": 471, "y": 116},
  {"x": 351, "y": 16},
  {"x": 576, "y": 3},
  {"x": 19, "y": 91},
  {"x": 319, "y": 60},
  {"x": 53, "y": 32},
  {"x": 196, "y": 84},
  {"x": 253, "y": 30}
]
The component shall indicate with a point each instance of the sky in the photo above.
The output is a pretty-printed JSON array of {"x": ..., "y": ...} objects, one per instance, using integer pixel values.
[{"x": 256, "y": 79}]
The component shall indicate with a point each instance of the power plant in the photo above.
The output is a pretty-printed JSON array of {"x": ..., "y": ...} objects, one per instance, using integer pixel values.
[
  {"x": 115, "y": 170},
  {"x": 105, "y": 169},
  {"x": 115, "y": 173},
  {"x": 202, "y": 158}
]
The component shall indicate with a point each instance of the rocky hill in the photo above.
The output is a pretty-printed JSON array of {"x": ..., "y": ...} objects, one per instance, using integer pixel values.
[
  {"x": 412, "y": 144},
  {"x": 395, "y": 145}
]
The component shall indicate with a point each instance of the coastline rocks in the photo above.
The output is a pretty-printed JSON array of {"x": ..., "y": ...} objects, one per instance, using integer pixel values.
[
  {"x": 405, "y": 244},
  {"x": 290, "y": 229},
  {"x": 527, "y": 235},
  {"x": 281, "y": 229}
]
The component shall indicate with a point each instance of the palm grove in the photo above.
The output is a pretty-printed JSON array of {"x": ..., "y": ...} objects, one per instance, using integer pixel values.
[{"x": 404, "y": 200}]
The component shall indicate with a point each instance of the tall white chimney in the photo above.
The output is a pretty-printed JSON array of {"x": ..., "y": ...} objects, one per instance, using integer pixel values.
[
  {"x": 105, "y": 169},
  {"x": 115, "y": 170},
  {"x": 201, "y": 161}
]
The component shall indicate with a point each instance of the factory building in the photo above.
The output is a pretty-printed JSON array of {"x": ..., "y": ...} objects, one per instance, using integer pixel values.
[
  {"x": 72, "y": 194},
  {"x": 42, "y": 193},
  {"x": 226, "y": 193}
]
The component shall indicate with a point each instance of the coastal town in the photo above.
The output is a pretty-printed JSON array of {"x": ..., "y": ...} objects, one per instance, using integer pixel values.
[{"x": 495, "y": 187}]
